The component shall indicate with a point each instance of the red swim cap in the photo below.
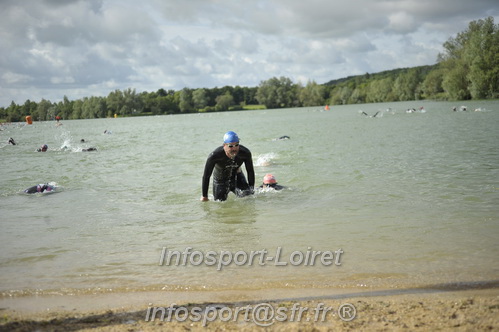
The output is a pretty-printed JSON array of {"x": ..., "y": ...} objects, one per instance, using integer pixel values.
[{"x": 269, "y": 179}]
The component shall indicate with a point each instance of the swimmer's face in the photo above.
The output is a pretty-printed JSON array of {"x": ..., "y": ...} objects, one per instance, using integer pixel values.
[{"x": 231, "y": 149}]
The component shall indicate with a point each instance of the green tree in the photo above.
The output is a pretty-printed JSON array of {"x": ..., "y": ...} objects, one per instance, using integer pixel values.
[
  {"x": 167, "y": 105},
  {"x": 224, "y": 102},
  {"x": 13, "y": 113},
  {"x": 344, "y": 94},
  {"x": 380, "y": 90},
  {"x": 432, "y": 85},
  {"x": 312, "y": 94},
  {"x": 238, "y": 94},
  {"x": 185, "y": 103},
  {"x": 43, "y": 110},
  {"x": 99, "y": 107},
  {"x": 149, "y": 102},
  {"x": 87, "y": 111},
  {"x": 132, "y": 103},
  {"x": 471, "y": 62},
  {"x": 276, "y": 93},
  {"x": 28, "y": 108},
  {"x": 358, "y": 96},
  {"x": 481, "y": 53},
  {"x": 199, "y": 98},
  {"x": 77, "y": 109},
  {"x": 115, "y": 102},
  {"x": 455, "y": 81},
  {"x": 65, "y": 108},
  {"x": 405, "y": 86}
]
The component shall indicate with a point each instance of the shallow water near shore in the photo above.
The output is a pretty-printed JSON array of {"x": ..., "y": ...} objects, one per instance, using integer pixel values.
[{"x": 399, "y": 200}]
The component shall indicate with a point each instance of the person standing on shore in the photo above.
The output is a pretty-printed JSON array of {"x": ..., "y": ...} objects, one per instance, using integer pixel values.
[{"x": 225, "y": 164}]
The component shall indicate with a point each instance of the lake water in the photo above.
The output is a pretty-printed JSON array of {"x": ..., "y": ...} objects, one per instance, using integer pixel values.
[{"x": 409, "y": 199}]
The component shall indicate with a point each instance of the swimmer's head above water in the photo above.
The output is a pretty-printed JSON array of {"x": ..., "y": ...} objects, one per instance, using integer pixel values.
[
  {"x": 44, "y": 148},
  {"x": 231, "y": 137},
  {"x": 231, "y": 144},
  {"x": 270, "y": 182},
  {"x": 269, "y": 179}
]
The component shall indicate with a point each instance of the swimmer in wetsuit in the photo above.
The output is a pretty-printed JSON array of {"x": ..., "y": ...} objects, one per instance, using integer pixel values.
[
  {"x": 269, "y": 181},
  {"x": 43, "y": 148},
  {"x": 225, "y": 162},
  {"x": 40, "y": 188}
]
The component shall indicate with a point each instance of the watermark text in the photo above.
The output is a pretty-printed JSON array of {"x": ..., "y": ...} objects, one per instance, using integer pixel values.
[
  {"x": 261, "y": 314},
  {"x": 222, "y": 258}
]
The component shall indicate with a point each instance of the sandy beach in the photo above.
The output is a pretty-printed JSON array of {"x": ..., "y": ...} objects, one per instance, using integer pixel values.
[{"x": 440, "y": 308}]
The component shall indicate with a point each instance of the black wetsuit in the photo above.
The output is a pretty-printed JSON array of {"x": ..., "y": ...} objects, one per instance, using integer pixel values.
[
  {"x": 40, "y": 188},
  {"x": 272, "y": 185},
  {"x": 225, "y": 175}
]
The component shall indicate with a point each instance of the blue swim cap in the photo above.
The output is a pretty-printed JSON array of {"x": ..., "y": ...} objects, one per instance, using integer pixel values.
[{"x": 231, "y": 137}]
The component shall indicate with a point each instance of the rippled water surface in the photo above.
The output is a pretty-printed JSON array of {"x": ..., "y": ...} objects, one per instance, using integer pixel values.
[{"x": 409, "y": 198}]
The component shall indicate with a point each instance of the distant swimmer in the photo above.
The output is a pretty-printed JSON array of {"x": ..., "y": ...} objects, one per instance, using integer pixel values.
[
  {"x": 82, "y": 140},
  {"x": 11, "y": 141},
  {"x": 44, "y": 148},
  {"x": 40, "y": 188},
  {"x": 269, "y": 182},
  {"x": 284, "y": 137},
  {"x": 364, "y": 113},
  {"x": 89, "y": 149}
]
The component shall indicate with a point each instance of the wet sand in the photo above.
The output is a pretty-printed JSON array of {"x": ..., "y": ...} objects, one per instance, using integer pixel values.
[{"x": 443, "y": 308}]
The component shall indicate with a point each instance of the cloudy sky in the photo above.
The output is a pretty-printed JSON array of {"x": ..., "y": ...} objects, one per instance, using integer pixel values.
[{"x": 76, "y": 48}]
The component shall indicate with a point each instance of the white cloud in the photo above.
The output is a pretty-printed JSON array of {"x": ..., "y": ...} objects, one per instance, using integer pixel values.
[
  {"x": 82, "y": 48},
  {"x": 12, "y": 78},
  {"x": 402, "y": 22}
]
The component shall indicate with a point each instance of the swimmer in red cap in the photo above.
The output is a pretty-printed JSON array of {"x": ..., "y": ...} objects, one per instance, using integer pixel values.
[{"x": 269, "y": 181}]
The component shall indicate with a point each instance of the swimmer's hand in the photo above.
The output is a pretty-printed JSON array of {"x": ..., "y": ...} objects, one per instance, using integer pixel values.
[{"x": 204, "y": 199}]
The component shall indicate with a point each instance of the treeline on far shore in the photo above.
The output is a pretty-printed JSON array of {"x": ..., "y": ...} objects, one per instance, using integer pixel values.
[{"x": 467, "y": 69}]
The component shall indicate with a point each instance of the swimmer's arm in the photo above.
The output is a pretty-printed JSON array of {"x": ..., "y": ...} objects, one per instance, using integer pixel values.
[
  {"x": 251, "y": 171},
  {"x": 208, "y": 169}
]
